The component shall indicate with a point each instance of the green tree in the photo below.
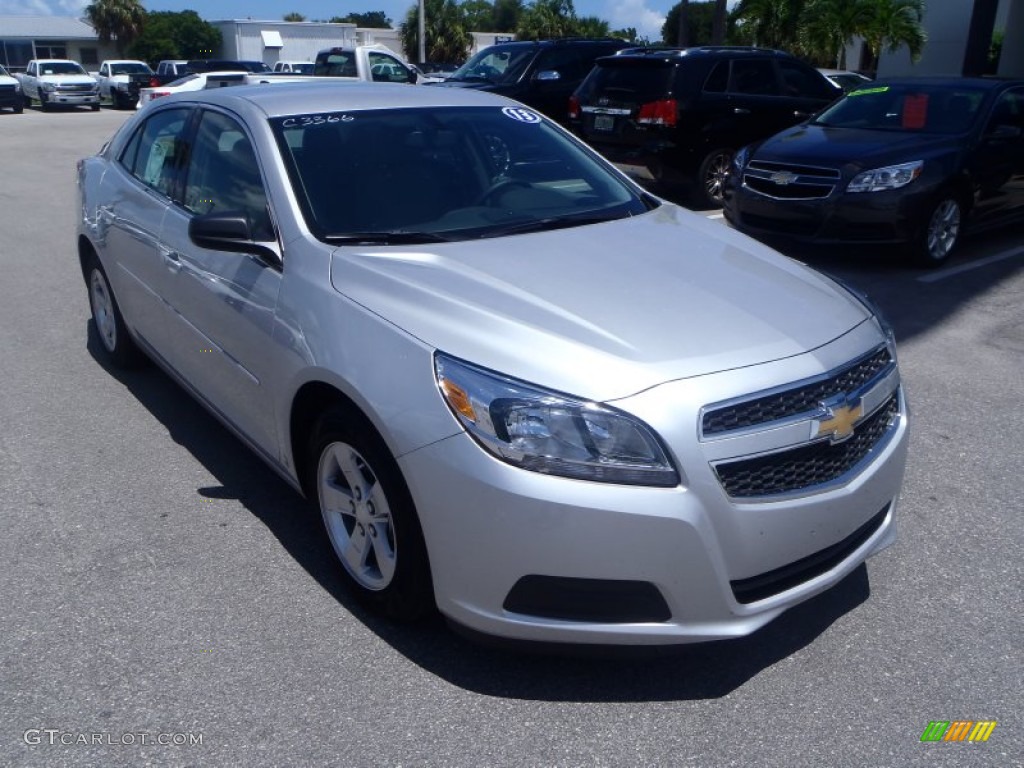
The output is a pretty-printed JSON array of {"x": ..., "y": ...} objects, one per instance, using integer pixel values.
[
  {"x": 479, "y": 15},
  {"x": 170, "y": 35},
  {"x": 373, "y": 19},
  {"x": 507, "y": 14},
  {"x": 699, "y": 19},
  {"x": 770, "y": 23},
  {"x": 119, "y": 20},
  {"x": 892, "y": 24},
  {"x": 294, "y": 16},
  {"x": 448, "y": 39},
  {"x": 592, "y": 26},
  {"x": 546, "y": 19},
  {"x": 827, "y": 28},
  {"x": 630, "y": 35}
]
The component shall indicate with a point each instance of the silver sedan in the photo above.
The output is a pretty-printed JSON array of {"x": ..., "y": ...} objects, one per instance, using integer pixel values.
[{"x": 517, "y": 387}]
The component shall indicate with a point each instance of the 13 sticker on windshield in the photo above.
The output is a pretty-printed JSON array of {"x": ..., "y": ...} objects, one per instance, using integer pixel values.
[{"x": 522, "y": 115}]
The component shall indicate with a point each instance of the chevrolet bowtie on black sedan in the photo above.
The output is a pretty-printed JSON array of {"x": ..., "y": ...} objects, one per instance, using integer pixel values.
[{"x": 913, "y": 161}]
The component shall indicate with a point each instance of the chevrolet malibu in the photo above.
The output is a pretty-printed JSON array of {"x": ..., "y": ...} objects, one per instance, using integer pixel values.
[{"x": 515, "y": 386}]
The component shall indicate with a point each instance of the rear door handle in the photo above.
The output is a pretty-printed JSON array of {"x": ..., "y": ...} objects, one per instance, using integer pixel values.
[
  {"x": 740, "y": 111},
  {"x": 798, "y": 113}
]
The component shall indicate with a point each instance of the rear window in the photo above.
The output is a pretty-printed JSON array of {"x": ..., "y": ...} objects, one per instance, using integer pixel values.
[{"x": 628, "y": 80}]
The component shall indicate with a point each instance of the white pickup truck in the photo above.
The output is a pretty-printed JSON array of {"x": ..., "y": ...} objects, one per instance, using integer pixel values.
[
  {"x": 114, "y": 79},
  {"x": 54, "y": 82},
  {"x": 368, "y": 62}
]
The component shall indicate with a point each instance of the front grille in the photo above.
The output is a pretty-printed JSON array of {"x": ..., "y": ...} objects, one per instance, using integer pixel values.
[
  {"x": 788, "y": 576},
  {"x": 791, "y": 191},
  {"x": 6, "y": 89},
  {"x": 782, "y": 226},
  {"x": 76, "y": 88},
  {"x": 796, "y": 401},
  {"x": 799, "y": 170},
  {"x": 811, "y": 465}
]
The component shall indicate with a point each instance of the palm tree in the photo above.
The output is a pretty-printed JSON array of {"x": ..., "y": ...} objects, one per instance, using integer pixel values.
[
  {"x": 771, "y": 23},
  {"x": 447, "y": 38},
  {"x": 718, "y": 22},
  {"x": 827, "y": 26},
  {"x": 892, "y": 24},
  {"x": 545, "y": 19},
  {"x": 118, "y": 20}
]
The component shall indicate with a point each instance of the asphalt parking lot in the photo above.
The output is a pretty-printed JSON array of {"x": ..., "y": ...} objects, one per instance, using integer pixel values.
[{"x": 159, "y": 584}]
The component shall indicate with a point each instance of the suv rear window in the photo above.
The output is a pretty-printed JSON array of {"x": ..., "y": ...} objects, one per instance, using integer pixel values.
[{"x": 628, "y": 80}]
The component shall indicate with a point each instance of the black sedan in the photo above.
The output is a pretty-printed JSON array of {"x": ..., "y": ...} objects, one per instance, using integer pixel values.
[{"x": 914, "y": 161}]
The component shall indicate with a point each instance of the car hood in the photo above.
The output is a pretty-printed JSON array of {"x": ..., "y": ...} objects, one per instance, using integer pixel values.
[
  {"x": 606, "y": 310},
  {"x": 855, "y": 147}
]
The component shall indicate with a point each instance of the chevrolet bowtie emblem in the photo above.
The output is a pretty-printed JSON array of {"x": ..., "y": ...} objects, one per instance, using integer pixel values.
[
  {"x": 782, "y": 178},
  {"x": 838, "y": 420}
]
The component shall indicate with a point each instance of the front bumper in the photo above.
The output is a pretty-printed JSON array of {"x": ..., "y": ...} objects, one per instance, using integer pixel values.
[
  {"x": 72, "y": 99},
  {"x": 683, "y": 564},
  {"x": 889, "y": 217}
]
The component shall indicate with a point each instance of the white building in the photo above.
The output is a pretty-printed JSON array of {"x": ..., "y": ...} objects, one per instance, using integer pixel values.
[
  {"x": 959, "y": 35},
  {"x": 23, "y": 38}
]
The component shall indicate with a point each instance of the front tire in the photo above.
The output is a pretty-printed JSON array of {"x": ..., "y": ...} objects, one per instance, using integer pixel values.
[
  {"x": 106, "y": 316},
  {"x": 712, "y": 177},
  {"x": 43, "y": 103},
  {"x": 940, "y": 231},
  {"x": 369, "y": 516}
]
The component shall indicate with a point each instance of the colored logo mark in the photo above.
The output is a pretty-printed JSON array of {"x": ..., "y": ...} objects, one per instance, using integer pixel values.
[{"x": 958, "y": 730}]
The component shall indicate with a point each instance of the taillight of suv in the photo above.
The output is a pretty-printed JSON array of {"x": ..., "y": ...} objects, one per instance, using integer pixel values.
[
  {"x": 662, "y": 112},
  {"x": 574, "y": 108}
]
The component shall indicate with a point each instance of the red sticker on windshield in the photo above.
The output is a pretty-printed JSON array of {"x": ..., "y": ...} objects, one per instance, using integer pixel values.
[{"x": 915, "y": 110}]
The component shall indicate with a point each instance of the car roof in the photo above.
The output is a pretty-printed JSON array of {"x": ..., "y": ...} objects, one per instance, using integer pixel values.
[
  {"x": 702, "y": 51},
  {"x": 986, "y": 83},
  {"x": 282, "y": 99}
]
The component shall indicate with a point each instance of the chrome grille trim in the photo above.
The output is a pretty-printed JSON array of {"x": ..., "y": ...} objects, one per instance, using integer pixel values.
[
  {"x": 796, "y": 401},
  {"x": 811, "y": 467}
]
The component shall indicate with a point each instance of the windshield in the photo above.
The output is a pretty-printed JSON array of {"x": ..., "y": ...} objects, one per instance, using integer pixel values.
[
  {"x": 496, "y": 64},
  {"x": 130, "y": 68},
  {"x": 916, "y": 108},
  {"x": 424, "y": 175},
  {"x": 61, "y": 68}
]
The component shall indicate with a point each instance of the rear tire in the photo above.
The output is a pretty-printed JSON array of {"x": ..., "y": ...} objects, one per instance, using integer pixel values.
[
  {"x": 712, "y": 177},
  {"x": 369, "y": 517},
  {"x": 940, "y": 231}
]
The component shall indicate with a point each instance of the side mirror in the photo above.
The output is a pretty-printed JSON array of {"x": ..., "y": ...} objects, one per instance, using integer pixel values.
[
  {"x": 230, "y": 231},
  {"x": 548, "y": 75}
]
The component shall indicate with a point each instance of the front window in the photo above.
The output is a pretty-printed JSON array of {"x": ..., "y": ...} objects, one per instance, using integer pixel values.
[
  {"x": 154, "y": 153},
  {"x": 61, "y": 68},
  {"x": 423, "y": 175},
  {"x": 496, "y": 64},
  {"x": 910, "y": 108}
]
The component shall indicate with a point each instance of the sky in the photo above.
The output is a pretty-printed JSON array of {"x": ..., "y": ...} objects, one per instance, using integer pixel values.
[{"x": 646, "y": 16}]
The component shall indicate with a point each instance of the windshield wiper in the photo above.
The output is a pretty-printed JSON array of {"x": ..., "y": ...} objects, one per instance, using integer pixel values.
[
  {"x": 385, "y": 238},
  {"x": 470, "y": 78},
  {"x": 546, "y": 225}
]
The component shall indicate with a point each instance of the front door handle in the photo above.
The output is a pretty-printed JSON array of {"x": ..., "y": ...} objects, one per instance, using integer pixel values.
[
  {"x": 740, "y": 111},
  {"x": 172, "y": 259}
]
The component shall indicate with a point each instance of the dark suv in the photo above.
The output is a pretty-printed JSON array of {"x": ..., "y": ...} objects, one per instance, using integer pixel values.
[
  {"x": 540, "y": 73},
  {"x": 670, "y": 115}
]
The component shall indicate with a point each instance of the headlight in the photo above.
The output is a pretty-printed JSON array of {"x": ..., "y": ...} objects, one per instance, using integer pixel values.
[
  {"x": 890, "y": 177},
  {"x": 873, "y": 309},
  {"x": 49, "y": 87},
  {"x": 552, "y": 433}
]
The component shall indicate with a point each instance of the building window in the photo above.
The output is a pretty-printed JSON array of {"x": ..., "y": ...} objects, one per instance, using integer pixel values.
[
  {"x": 89, "y": 55},
  {"x": 15, "y": 54},
  {"x": 51, "y": 49}
]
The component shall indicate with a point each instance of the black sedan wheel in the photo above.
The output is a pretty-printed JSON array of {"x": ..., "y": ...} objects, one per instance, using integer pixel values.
[
  {"x": 713, "y": 175},
  {"x": 940, "y": 233}
]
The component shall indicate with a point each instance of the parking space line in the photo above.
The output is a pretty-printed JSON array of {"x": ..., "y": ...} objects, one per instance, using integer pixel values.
[{"x": 943, "y": 274}]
